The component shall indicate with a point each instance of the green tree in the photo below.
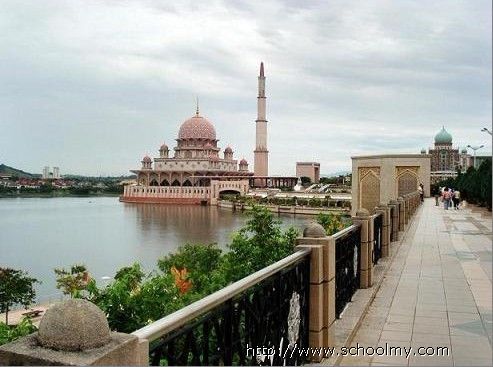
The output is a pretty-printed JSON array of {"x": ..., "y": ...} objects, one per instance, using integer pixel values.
[
  {"x": 305, "y": 181},
  {"x": 260, "y": 243},
  {"x": 73, "y": 281},
  {"x": 16, "y": 287}
]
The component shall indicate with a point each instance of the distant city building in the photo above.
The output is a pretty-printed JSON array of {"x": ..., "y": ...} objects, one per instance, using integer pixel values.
[
  {"x": 56, "y": 173},
  {"x": 49, "y": 175},
  {"x": 445, "y": 159},
  {"x": 308, "y": 169},
  {"x": 46, "y": 172}
]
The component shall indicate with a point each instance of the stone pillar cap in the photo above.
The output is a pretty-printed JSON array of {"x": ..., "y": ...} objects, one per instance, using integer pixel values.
[
  {"x": 73, "y": 325},
  {"x": 393, "y": 202},
  {"x": 314, "y": 230},
  {"x": 400, "y": 198}
]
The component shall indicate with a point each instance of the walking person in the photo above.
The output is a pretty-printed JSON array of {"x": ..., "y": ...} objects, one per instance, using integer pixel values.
[
  {"x": 421, "y": 192},
  {"x": 456, "y": 199},
  {"x": 446, "y": 198}
]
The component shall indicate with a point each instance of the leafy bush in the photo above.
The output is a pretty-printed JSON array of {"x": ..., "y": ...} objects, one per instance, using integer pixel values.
[
  {"x": 260, "y": 243},
  {"x": 204, "y": 264},
  {"x": 10, "y": 333},
  {"x": 332, "y": 223},
  {"x": 73, "y": 281}
]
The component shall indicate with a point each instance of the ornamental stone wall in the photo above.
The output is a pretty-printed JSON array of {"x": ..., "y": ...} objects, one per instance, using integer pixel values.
[{"x": 378, "y": 179}]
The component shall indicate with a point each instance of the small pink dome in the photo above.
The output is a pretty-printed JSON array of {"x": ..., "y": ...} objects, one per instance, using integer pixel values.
[
  {"x": 147, "y": 159},
  {"x": 197, "y": 127},
  {"x": 163, "y": 147},
  {"x": 243, "y": 162},
  {"x": 228, "y": 150}
]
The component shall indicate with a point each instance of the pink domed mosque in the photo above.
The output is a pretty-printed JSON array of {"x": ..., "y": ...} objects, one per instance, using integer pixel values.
[{"x": 197, "y": 172}]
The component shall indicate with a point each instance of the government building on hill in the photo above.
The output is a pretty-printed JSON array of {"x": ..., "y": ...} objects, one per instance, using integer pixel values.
[{"x": 445, "y": 159}]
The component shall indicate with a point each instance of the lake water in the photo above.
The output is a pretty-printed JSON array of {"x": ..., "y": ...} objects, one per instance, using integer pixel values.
[{"x": 40, "y": 234}]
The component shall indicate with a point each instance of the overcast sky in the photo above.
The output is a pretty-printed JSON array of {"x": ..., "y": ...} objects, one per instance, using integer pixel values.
[{"x": 92, "y": 86}]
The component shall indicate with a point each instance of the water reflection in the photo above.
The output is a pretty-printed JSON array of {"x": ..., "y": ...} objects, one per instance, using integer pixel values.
[{"x": 38, "y": 235}]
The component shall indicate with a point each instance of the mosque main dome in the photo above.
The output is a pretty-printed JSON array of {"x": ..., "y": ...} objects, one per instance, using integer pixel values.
[
  {"x": 443, "y": 137},
  {"x": 197, "y": 127}
]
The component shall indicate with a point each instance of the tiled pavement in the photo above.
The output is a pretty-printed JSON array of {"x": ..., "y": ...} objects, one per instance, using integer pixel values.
[{"x": 437, "y": 292}]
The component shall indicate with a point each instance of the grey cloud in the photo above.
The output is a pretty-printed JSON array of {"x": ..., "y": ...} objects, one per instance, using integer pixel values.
[{"x": 91, "y": 86}]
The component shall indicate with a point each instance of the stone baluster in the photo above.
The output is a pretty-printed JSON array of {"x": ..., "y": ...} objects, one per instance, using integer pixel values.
[
  {"x": 395, "y": 219},
  {"x": 322, "y": 286},
  {"x": 402, "y": 213},
  {"x": 366, "y": 264},
  {"x": 385, "y": 210}
]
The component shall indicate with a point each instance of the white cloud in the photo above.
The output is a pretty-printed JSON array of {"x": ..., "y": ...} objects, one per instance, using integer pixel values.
[{"x": 92, "y": 85}]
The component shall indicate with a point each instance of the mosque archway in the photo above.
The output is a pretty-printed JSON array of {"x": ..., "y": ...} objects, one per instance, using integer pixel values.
[
  {"x": 164, "y": 182},
  {"x": 175, "y": 183},
  {"x": 187, "y": 183},
  {"x": 153, "y": 182}
]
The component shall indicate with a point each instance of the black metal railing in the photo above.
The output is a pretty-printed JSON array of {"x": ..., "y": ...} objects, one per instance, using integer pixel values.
[
  {"x": 377, "y": 237},
  {"x": 392, "y": 228},
  {"x": 268, "y": 309},
  {"x": 348, "y": 258}
]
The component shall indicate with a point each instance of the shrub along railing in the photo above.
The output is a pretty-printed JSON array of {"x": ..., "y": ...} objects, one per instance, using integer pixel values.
[
  {"x": 347, "y": 272},
  {"x": 377, "y": 237},
  {"x": 266, "y": 309}
]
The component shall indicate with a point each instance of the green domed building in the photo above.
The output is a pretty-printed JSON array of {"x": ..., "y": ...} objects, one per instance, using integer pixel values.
[
  {"x": 443, "y": 137},
  {"x": 445, "y": 159}
]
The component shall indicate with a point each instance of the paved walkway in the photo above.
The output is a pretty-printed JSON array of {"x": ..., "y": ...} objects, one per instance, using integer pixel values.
[{"x": 437, "y": 292}]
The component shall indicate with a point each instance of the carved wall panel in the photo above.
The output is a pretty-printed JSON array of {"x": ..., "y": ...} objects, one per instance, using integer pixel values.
[
  {"x": 369, "y": 188},
  {"x": 407, "y": 180}
]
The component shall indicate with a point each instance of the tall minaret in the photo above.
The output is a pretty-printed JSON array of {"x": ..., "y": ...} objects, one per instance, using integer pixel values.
[{"x": 261, "y": 162}]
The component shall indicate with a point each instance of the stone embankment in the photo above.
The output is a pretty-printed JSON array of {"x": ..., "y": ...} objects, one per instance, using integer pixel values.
[{"x": 284, "y": 209}]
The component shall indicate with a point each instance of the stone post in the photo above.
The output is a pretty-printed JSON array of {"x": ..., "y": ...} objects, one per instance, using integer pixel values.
[
  {"x": 73, "y": 332},
  {"x": 366, "y": 265},
  {"x": 402, "y": 214},
  {"x": 385, "y": 210},
  {"x": 322, "y": 286},
  {"x": 406, "y": 208},
  {"x": 395, "y": 219}
]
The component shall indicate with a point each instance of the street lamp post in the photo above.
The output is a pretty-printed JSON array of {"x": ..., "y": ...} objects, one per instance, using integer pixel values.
[
  {"x": 486, "y": 130},
  {"x": 475, "y": 148}
]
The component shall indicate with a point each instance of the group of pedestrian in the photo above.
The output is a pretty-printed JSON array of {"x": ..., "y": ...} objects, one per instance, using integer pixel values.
[{"x": 450, "y": 198}]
